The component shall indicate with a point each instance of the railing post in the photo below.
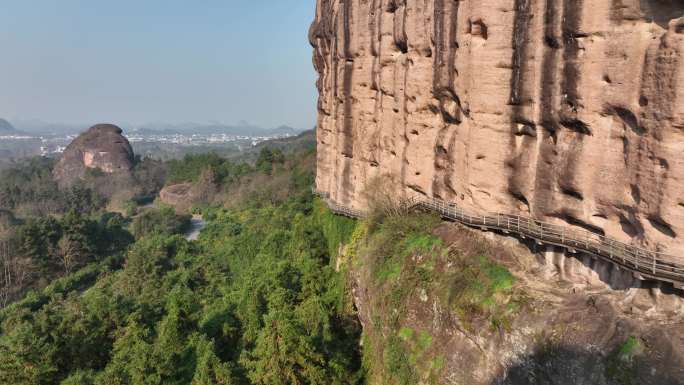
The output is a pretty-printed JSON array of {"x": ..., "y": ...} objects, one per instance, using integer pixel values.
[
  {"x": 637, "y": 261},
  {"x": 610, "y": 248}
]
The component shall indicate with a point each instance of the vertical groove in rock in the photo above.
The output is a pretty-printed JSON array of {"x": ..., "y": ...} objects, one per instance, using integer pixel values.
[
  {"x": 452, "y": 45},
  {"x": 570, "y": 100},
  {"x": 549, "y": 63},
  {"x": 520, "y": 42},
  {"x": 444, "y": 90},
  {"x": 519, "y": 98}
]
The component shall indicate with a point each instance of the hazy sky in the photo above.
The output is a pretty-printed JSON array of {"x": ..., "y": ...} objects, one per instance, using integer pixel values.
[{"x": 141, "y": 61}]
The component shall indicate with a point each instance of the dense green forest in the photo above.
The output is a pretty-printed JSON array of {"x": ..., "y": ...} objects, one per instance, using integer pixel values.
[
  {"x": 256, "y": 300},
  {"x": 48, "y": 231}
]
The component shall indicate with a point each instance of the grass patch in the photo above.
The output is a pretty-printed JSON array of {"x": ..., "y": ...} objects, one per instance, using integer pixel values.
[
  {"x": 481, "y": 289},
  {"x": 628, "y": 348},
  {"x": 395, "y": 239},
  {"x": 412, "y": 348},
  {"x": 398, "y": 363},
  {"x": 407, "y": 357},
  {"x": 424, "y": 340},
  {"x": 622, "y": 366},
  {"x": 420, "y": 243},
  {"x": 406, "y": 334}
]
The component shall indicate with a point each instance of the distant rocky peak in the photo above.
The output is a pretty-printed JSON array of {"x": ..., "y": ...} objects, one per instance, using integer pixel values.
[
  {"x": 6, "y": 126},
  {"x": 105, "y": 128},
  {"x": 101, "y": 147}
]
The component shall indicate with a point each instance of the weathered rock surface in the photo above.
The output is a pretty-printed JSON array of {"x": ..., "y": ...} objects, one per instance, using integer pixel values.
[
  {"x": 571, "y": 111},
  {"x": 177, "y": 195},
  {"x": 572, "y": 330},
  {"x": 102, "y": 147}
]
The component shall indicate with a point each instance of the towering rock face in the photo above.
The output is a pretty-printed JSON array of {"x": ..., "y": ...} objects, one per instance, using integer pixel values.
[
  {"x": 102, "y": 147},
  {"x": 570, "y": 111}
]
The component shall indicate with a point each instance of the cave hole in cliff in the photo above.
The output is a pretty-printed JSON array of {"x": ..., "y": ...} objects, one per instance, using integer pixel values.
[
  {"x": 402, "y": 45},
  {"x": 478, "y": 28},
  {"x": 551, "y": 132},
  {"x": 576, "y": 125},
  {"x": 663, "y": 163},
  {"x": 441, "y": 150},
  {"x": 520, "y": 197},
  {"x": 607, "y": 79},
  {"x": 574, "y": 221},
  {"x": 414, "y": 132},
  {"x": 392, "y": 6},
  {"x": 629, "y": 119},
  {"x": 525, "y": 128},
  {"x": 662, "y": 226},
  {"x": 574, "y": 35},
  {"x": 643, "y": 101},
  {"x": 571, "y": 192},
  {"x": 630, "y": 226},
  {"x": 551, "y": 42},
  {"x": 636, "y": 193},
  {"x": 450, "y": 110}
]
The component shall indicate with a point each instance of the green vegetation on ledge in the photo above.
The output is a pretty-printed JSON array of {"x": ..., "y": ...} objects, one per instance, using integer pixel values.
[{"x": 404, "y": 264}]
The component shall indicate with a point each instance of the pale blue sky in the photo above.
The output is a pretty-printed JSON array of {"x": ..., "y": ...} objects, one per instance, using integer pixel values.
[{"x": 141, "y": 61}]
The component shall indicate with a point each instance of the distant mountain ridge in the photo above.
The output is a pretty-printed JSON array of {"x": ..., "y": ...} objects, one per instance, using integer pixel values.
[
  {"x": 241, "y": 129},
  {"x": 6, "y": 128}
]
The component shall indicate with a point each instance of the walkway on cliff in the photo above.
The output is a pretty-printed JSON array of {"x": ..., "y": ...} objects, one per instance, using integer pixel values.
[{"x": 645, "y": 264}]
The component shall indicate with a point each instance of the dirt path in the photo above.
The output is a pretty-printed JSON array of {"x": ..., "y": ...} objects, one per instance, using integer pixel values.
[{"x": 197, "y": 223}]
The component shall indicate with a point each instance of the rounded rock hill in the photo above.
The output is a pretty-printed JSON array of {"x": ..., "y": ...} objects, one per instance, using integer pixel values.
[{"x": 102, "y": 147}]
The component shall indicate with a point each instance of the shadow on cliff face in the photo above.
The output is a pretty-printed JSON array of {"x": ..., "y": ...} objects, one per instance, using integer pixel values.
[
  {"x": 662, "y": 11},
  {"x": 608, "y": 273},
  {"x": 569, "y": 366}
]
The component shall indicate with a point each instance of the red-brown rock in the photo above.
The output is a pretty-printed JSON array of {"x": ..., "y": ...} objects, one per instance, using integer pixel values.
[{"x": 570, "y": 111}]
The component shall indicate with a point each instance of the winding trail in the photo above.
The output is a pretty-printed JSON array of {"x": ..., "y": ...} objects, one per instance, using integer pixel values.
[{"x": 197, "y": 224}]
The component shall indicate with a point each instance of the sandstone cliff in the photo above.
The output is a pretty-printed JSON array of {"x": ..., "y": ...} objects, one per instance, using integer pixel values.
[
  {"x": 558, "y": 320},
  {"x": 102, "y": 147},
  {"x": 571, "y": 111}
]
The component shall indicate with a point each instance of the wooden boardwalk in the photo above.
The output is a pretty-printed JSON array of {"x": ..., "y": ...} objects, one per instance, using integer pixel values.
[{"x": 645, "y": 264}]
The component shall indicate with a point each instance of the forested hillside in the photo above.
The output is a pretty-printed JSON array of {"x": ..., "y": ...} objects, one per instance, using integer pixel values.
[{"x": 256, "y": 300}]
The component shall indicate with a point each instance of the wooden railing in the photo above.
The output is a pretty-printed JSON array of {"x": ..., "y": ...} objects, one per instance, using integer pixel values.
[{"x": 646, "y": 264}]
